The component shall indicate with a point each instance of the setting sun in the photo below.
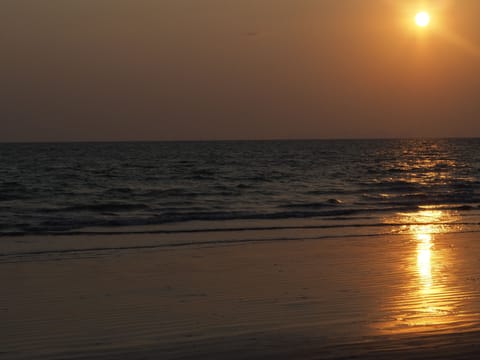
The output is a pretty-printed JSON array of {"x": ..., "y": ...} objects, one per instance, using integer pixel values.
[{"x": 422, "y": 19}]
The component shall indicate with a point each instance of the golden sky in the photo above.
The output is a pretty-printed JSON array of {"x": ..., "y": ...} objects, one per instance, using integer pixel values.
[{"x": 238, "y": 69}]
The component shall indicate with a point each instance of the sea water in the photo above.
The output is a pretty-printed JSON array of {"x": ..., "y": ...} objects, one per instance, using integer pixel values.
[{"x": 373, "y": 186}]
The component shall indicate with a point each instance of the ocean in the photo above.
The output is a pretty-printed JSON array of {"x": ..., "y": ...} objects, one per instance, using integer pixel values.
[
  {"x": 369, "y": 187},
  {"x": 240, "y": 249}
]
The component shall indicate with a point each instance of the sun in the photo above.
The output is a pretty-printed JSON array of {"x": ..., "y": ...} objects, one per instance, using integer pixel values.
[{"x": 422, "y": 19}]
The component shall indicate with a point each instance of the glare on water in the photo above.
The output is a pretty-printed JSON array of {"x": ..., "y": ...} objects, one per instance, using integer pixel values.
[
  {"x": 424, "y": 260},
  {"x": 429, "y": 297}
]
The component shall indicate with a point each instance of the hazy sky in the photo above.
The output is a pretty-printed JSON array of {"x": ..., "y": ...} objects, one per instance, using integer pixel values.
[{"x": 237, "y": 69}]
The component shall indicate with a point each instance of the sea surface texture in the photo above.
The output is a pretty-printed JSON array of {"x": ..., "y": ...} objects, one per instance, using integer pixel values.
[
  {"x": 102, "y": 187},
  {"x": 240, "y": 250}
]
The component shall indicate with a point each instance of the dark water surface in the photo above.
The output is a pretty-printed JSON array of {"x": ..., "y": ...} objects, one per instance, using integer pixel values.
[
  {"x": 99, "y": 250},
  {"x": 85, "y": 187}
]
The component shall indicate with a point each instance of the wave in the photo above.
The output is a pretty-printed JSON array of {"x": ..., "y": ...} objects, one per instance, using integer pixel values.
[
  {"x": 112, "y": 207},
  {"x": 18, "y": 256},
  {"x": 128, "y": 231},
  {"x": 171, "y": 192},
  {"x": 64, "y": 224},
  {"x": 314, "y": 205},
  {"x": 119, "y": 191},
  {"x": 76, "y": 186}
]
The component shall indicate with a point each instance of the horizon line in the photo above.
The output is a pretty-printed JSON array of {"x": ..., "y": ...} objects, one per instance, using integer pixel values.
[{"x": 240, "y": 140}]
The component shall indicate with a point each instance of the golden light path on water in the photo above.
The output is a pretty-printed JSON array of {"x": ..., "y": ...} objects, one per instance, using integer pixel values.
[
  {"x": 437, "y": 301},
  {"x": 429, "y": 297},
  {"x": 430, "y": 222}
]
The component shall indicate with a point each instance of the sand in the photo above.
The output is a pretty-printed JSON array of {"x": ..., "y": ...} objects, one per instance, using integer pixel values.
[{"x": 361, "y": 297}]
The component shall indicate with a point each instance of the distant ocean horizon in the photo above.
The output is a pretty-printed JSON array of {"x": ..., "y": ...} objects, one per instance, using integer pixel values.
[
  {"x": 354, "y": 186},
  {"x": 227, "y": 140}
]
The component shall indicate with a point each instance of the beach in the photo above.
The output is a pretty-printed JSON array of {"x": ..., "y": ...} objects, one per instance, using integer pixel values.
[
  {"x": 190, "y": 250},
  {"x": 239, "y": 180},
  {"x": 400, "y": 296}
]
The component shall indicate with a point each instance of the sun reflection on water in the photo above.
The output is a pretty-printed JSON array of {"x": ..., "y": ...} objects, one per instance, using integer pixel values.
[
  {"x": 424, "y": 259},
  {"x": 423, "y": 225},
  {"x": 426, "y": 299}
]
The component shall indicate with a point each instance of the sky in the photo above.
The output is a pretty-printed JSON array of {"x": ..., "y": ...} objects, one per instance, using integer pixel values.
[{"x": 107, "y": 70}]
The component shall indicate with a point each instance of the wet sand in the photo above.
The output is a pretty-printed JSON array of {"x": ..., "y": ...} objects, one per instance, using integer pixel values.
[{"x": 404, "y": 296}]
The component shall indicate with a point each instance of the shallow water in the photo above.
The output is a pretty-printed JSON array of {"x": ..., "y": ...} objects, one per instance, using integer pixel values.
[{"x": 301, "y": 299}]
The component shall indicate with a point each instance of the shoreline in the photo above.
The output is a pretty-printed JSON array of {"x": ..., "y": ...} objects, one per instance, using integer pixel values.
[{"x": 335, "y": 298}]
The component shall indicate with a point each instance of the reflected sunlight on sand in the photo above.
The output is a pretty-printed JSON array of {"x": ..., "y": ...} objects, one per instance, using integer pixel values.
[{"x": 431, "y": 297}]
